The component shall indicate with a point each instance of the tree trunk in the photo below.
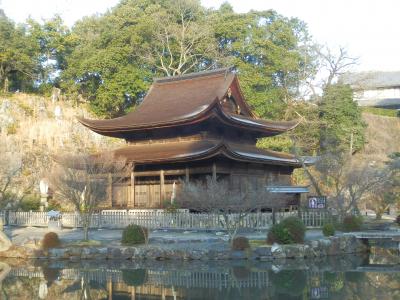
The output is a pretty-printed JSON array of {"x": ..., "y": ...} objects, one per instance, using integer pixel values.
[
  {"x": 86, "y": 223},
  {"x": 273, "y": 216},
  {"x": 5, "y": 88}
]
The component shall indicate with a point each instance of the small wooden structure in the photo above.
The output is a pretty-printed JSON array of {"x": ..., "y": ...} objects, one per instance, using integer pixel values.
[{"x": 189, "y": 127}]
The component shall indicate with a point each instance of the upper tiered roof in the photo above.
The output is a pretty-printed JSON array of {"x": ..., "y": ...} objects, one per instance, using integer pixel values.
[{"x": 189, "y": 99}]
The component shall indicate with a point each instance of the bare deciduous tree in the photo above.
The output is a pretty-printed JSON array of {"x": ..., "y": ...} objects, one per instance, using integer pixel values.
[
  {"x": 13, "y": 183},
  {"x": 184, "y": 40},
  {"x": 231, "y": 206},
  {"x": 83, "y": 181},
  {"x": 347, "y": 180},
  {"x": 331, "y": 65},
  {"x": 336, "y": 64}
]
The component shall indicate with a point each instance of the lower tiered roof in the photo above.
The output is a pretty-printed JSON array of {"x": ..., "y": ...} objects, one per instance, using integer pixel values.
[{"x": 184, "y": 151}]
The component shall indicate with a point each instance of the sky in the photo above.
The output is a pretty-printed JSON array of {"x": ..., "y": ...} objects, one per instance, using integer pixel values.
[{"x": 368, "y": 29}]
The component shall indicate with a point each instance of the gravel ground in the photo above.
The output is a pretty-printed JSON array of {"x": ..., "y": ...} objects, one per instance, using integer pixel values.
[{"x": 19, "y": 235}]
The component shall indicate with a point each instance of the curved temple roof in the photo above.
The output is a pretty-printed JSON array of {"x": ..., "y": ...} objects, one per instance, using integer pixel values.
[
  {"x": 200, "y": 149},
  {"x": 188, "y": 99}
]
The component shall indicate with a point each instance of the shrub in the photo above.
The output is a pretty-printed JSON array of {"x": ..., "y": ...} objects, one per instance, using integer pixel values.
[
  {"x": 170, "y": 207},
  {"x": 240, "y": 243},
  {"x": 134, "y": 234},
  {"x": 50, "y": 240},
  {"x": 352, "y": 223},
  {"x": 289, "y": 231},
  {"x": 30, "y": 202},
  {"x": 328, "y": 229}
]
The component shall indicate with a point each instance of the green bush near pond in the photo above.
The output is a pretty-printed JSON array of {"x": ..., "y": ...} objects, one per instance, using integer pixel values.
[
  {"x": 289, "y": 231},
  {"x": 328, "y": 229},
  {"x": 134, "y": 234}
]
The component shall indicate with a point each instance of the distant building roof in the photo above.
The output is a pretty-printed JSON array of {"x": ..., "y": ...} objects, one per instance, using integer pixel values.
[{"x": 371, "y": 80}]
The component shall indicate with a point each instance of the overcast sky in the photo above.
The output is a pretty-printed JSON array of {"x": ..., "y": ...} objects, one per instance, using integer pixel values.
[{"x": 367, "y": 28}]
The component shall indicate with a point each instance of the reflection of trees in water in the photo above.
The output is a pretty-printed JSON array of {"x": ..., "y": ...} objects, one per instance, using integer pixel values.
[
  {"x": 246, "y": 280},
  {"x": 362, "y": 285},
  {"x": 289, "y": 284},
  {"x": 20, "y": 288},
  {"x": 134, "y": 277},
  {"x": 379, "y": 255},
  {"x": 83, "y": 288}
]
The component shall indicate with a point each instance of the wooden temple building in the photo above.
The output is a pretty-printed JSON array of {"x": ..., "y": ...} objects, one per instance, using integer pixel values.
[{"x": 189, "y": 127}]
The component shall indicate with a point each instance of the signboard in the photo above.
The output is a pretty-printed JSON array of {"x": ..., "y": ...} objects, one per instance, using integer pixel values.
[
  {"x": 317, "y": 202},
  {"x": 319, "y": 292}
]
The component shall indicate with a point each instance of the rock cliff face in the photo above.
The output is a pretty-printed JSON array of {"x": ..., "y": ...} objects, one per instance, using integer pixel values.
[
  {"x": 32, "y": 128},
  {"x": 337, "y": 245},
  {"x": 383, "y": 138}
]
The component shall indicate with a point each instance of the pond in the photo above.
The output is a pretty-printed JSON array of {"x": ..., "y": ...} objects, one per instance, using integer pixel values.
[{"x": 373, "y": 276}]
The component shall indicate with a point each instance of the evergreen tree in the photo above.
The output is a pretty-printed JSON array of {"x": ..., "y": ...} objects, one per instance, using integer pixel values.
[{"x": 342, "y": 126}]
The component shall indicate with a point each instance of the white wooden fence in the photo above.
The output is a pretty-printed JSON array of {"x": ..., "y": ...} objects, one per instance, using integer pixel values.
[{"x": 158, "y": 218}]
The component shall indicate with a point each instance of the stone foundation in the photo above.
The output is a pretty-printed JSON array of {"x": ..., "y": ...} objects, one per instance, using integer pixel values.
[{"x": 337, "y": 245}]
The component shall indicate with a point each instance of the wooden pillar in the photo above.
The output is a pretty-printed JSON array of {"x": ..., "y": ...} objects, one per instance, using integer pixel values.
[
  {"x": 110, "y": 189},
  {"x": 132, "y": 200},
  {"x": 187, "y": 175},
  {"x": 162, "y": 187},
  {"x": 214, "y": 172}
]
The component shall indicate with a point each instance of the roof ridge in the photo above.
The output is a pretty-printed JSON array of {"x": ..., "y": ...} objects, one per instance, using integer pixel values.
[{"x": 193, "y": 75}]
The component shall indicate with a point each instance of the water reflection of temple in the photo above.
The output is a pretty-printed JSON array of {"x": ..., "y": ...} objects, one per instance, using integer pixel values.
[
  {"x": 333, "y": 278},
  {"x": 150, "y": 284}
]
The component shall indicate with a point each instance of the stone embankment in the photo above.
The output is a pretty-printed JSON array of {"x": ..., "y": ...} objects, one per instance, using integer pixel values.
[{"x": 337, "y": 245}]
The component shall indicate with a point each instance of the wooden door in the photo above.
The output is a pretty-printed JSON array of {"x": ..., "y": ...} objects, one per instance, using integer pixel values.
[
  {"x": 154, "y": 195},
  {"x": 120, "y": 195},
  {"x": 141, "y": 195}
]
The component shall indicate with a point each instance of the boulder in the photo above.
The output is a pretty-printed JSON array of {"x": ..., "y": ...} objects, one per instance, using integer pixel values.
[
  {"x": 238, "y": 255},
  {"x": 277, "y": 251},
  {"x": 263, "y": 251},
  {"x": 114, "y": 253},
  {"x": 294, "y": 251}
]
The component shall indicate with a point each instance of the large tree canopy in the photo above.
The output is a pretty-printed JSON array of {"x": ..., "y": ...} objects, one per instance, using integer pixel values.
[
  {"x": 18, "y": 56},
  {"x": 137, "y": 40},
  {"x": 110, "y": 60}
]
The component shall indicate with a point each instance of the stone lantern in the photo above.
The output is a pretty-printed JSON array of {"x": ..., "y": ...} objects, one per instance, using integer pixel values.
[{"x": 44, "y": 188}]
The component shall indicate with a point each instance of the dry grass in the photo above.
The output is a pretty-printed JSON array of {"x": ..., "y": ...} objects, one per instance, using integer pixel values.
[
  {"x": 37, "y": 134},
  {"x": 383, "y": 138},
  {"x": 37, "y": 126}
]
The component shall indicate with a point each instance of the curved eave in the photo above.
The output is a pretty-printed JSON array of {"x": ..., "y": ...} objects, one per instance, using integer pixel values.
[
  {"x": 264, "y": 127},
  {"x": 267, "y": 127},
  {"x": 118, "y": 131},
  {"x": 201, "y": 150},
  {"x": 261, "y": 156}
]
